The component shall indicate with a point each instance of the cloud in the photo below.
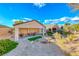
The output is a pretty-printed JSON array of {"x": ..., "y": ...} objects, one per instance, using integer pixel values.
[
  {"x": 62, "y": 19},
  {"x": 51, "y": 21},
  {"x": 40, "y": 5},
  {"x": 54, "y": 21},
  {"x": 75, "y": 18},
  {"x": 15, "y": 20},
  {"x": 65, "y": 19},
  {"x": 27, "y": 19},
  {"x": 23, "y": 19}
]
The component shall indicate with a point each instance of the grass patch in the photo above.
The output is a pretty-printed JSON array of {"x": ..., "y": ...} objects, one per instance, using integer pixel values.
[
  {"x": 34, "y": 38},
  {"x": 6, "y": 46}
]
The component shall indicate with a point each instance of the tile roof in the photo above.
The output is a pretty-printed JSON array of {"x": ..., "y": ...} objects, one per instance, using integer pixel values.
[{"x": 28, "y": 22}]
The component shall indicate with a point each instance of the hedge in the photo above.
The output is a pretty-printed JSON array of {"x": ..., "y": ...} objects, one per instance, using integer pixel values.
[{"x": 34, "y": 38}]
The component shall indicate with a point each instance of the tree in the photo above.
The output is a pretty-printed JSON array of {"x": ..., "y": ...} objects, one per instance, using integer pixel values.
[
  {"x": 49, "y": 32},
  {"x": 49, "y": 29},
  {"x": 75, "y": 6},
  {"x": 18, "y": 21}
]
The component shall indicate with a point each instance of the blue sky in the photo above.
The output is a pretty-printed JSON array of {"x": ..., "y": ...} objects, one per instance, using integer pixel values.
[{"x": 46, "y": 13}]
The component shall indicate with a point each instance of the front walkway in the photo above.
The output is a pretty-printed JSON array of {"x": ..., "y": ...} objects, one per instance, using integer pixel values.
[{"x": 25, "y": 48}]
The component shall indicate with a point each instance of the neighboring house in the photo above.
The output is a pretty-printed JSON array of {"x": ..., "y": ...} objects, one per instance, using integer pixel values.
[
  {"x": 4, "y": 32},
  {"x": 49, "y": 26},
  {"x": 29, "y": 27}
]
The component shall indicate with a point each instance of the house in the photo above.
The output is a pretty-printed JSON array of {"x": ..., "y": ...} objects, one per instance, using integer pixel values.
[
  {"x": 49, "y": 26},
  {"x": 4, "y": 32},
  {"x": 29, "y": 27}
]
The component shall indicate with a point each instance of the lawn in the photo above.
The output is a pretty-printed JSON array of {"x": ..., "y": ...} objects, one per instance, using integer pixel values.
[
  {"x": 7, "y": 45},
  {"x": 34, "y": 38}
]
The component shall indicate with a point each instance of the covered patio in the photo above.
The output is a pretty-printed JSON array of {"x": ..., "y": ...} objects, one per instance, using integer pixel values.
[{"x": 27, "y": 28}]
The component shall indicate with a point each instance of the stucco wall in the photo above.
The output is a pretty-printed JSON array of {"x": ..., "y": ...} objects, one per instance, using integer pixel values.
[
  {"x": 4, "y": 33},
  {"x": 29, "y": 30}
]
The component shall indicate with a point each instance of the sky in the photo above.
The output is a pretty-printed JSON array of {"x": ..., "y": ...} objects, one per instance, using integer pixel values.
[{"x": 45, "y": 13}]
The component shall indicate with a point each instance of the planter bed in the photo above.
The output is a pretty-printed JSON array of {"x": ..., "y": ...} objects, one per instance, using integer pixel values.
[
  {"x": 6, "y": 46},
  {"x": 34, "y": 38}
]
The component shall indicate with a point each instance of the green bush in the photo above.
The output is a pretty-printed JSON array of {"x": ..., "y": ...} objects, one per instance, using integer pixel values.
[
  {"x": 6, "y": 46},
  {"x": 49, "y": 33},
  {"x": 34, "y": 38}
]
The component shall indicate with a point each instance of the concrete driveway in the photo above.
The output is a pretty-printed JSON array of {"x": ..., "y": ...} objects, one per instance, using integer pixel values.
[{"x": 26, "y": 48}]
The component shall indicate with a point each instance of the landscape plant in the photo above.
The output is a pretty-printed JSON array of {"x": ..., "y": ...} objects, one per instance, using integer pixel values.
[
  {"x": 49, "y": 32},
  {"x": 64, "y": 44},
  {"x": 34, "y": 38},
  {"x": 7, "y": 45}
]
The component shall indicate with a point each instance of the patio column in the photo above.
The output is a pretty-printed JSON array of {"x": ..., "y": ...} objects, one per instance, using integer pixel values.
[
  {"x": 16, "y": 34},
  {"x": 40, "y": 30},
  {"x": 43, "y": 31}
]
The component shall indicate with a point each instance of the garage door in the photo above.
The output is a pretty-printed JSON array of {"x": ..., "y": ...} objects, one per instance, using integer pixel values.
[
  {"x": 29, "y": 30},
  {"x": 23, "y": 30}
]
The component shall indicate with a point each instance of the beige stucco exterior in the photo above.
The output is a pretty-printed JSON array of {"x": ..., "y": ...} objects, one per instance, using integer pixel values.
[
  {"x": 29, "y": 27},
  {"x": 29, "y": 30},
  {"x": 4, "y": 33}
]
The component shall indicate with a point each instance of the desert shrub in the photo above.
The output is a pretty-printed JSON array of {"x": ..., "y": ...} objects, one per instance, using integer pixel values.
[
  {"x": 71, "y": 37},
  {"x": 66, "y": 33},
  {"x": 57, "y": 35},
  {"x": 60, "y": 38},
  {"x": 49, "y": 33},
  {"x": 63, "y": 32}
]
